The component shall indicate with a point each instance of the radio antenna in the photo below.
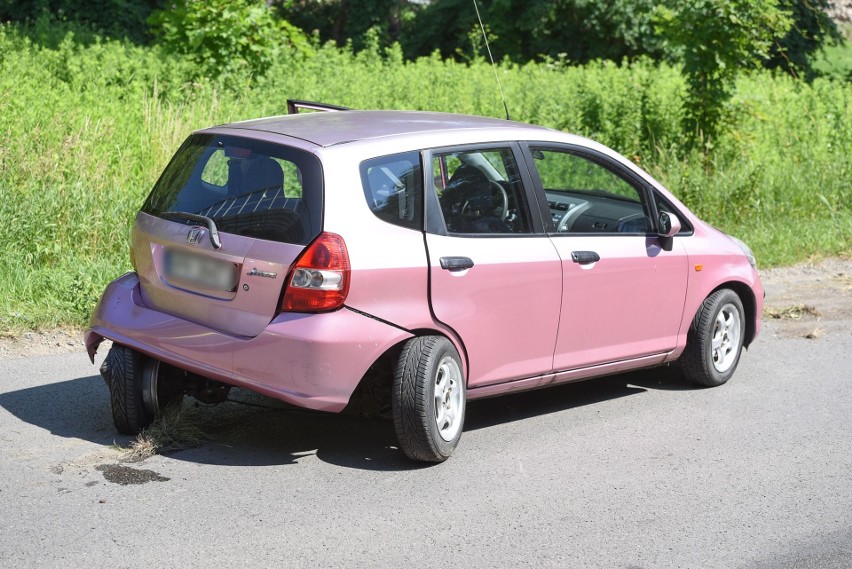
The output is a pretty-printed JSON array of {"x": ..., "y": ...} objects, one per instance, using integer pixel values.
[{"x": 491, "y": 57}]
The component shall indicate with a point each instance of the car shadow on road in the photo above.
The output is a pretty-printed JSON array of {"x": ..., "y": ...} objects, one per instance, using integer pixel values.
[
  {"x": 518, "y": 406},
  {"x": 252, "y": 430},
  {"x": 485, "y": 413}
]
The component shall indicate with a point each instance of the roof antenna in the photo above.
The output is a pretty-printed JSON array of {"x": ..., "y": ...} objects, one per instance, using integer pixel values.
[{"x": 493, "y": 67}]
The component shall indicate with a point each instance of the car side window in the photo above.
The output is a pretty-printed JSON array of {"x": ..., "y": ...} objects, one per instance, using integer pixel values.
[
  {"x": 393, "y": 186},
  {"x": 585, "y": 197},
  {"x": 480, "y": 191}
]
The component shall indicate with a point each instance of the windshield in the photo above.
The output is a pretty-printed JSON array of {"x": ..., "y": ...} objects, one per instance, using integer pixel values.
[{"x": 247, "y": 187}]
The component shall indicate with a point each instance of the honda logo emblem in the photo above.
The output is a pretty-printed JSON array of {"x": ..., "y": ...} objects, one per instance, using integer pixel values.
[{"x": 194, "y": 235}]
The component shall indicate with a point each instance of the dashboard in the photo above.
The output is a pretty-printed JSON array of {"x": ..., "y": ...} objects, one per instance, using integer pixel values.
[{"x": 595, "y": 211}]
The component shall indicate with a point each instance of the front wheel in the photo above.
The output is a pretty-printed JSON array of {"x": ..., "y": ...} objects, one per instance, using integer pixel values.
[
  {"x": 715, "y": 339},
  {"x": 428, "y": 399}
]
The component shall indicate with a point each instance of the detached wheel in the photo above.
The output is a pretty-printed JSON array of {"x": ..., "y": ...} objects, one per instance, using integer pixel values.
[
  {"x": 136, "y": 393},
  {"x": 428, "y": 399},
  {"x": 715, "y": 340}
]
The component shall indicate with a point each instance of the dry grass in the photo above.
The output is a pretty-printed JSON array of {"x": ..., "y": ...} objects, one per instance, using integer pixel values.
[
  {"x": 175, "y": 428},
  {"x": 843, "y": 280},
  {"x": 794, "y": 312}
]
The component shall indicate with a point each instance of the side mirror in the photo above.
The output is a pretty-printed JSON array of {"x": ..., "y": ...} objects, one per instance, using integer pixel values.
[{"x": 669, "y": 224}]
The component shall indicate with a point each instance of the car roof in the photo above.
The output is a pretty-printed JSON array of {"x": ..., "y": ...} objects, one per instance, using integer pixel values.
[{"x": 340, "y": 127}]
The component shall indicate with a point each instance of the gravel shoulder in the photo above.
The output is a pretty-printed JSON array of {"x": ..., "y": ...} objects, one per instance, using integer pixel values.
[{"x": 808, "y": 300}]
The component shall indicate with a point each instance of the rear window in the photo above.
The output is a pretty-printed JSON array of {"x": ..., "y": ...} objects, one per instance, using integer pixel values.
[{"x": 247, "y": 187}]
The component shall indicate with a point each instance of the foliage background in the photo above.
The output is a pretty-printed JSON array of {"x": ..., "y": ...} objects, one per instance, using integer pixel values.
[{"x": 88, "y": 120}]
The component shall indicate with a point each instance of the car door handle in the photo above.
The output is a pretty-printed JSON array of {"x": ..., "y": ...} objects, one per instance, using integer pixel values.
[
  {"x": 456, "y": 263},
  {"x": 585, "y": 257}
]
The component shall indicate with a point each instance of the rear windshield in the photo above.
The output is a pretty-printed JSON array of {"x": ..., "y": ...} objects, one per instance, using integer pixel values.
[{"x": 248, "y": 187}]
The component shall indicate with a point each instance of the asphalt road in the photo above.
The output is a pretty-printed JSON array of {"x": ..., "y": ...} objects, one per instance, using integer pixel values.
[{"x": 631, "y": 471}]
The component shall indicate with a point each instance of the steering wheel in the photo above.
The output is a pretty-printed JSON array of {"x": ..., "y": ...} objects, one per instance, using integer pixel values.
[{"x": 505, "y": 200}]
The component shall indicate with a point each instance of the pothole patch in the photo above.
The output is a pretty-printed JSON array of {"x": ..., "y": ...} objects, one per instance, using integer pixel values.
[{"x": 124, "y": 475}]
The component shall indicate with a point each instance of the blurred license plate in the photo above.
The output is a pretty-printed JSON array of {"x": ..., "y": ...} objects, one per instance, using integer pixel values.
[{"x": 200, "y": 271}]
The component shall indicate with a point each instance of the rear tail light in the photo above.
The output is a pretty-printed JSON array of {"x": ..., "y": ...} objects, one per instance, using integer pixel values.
[{"x": 319, "y": 280}]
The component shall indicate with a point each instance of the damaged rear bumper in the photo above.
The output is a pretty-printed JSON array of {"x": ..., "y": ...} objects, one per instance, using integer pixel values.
[{"x": 313, "y": 361}]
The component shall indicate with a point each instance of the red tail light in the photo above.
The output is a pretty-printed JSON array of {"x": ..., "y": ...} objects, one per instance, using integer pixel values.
[{"x": 319, "y": 280}]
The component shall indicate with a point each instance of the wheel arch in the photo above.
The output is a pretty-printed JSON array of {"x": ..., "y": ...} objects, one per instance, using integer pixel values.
[
  {"x": 746, "y": 295},
  {"x": 376, "y": 383}
]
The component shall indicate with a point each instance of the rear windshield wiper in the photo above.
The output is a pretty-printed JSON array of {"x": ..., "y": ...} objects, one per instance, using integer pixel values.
[{"x": 211, "y": 226}]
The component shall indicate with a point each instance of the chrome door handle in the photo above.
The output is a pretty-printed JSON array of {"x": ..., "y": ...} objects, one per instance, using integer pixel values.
[{"x": 456, "y": 263}]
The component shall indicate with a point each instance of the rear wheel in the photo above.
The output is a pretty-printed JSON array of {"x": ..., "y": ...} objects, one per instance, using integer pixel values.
[
  {"x": 136, "y": 392},
  {"x": 428, "y": 399},
  {"x": 715, "y": 339}
]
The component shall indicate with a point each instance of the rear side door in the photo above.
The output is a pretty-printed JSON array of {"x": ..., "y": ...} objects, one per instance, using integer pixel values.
[
  {"x": 623, "y": 286},
  {"x": 495, "y": 277}
]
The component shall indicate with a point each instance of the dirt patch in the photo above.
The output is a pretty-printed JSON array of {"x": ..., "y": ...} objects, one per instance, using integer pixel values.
[
  {"x": 810, "y": 300},
  {"x": 41, "y": 343}
]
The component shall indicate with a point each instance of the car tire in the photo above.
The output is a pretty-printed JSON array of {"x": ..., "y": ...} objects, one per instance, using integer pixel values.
[
  {"x": 715, "y": 340},
  {"x": 136, "y": 394},
  {"x": 428, "y": 399}
]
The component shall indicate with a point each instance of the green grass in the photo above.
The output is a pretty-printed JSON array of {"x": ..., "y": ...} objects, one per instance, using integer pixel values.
[{"x": 86, "y": 128}]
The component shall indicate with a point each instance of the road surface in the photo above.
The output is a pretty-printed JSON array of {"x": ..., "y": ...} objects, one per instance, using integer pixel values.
[{"x": 631, "y": 471}]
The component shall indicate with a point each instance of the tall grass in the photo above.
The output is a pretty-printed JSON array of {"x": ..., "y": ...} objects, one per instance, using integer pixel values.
[{"x": 86, "y": 128}]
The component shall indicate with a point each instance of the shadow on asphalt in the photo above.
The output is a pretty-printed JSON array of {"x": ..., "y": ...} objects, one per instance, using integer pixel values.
[{"x": 253, "y": 430}]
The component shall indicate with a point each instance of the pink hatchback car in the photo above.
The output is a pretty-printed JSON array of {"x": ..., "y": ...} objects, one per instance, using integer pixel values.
[{"x": 410, "y": 261}]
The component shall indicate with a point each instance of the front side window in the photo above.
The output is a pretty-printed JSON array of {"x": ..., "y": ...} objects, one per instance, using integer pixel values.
[
  {"x": 247, "y": 187},
  {"x": 393, "y": 186},
  {"x": 480, "y": 191},
  {"x": 585, "y": 197}
]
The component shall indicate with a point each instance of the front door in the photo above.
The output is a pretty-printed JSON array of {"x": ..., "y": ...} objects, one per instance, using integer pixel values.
[
  {"x": 623, "y": 287},
  {"x": 495, "y": 277}
]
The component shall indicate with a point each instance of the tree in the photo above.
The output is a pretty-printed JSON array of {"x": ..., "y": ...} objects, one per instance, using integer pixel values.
[
  {"x": 524, "y": 30},
  {"x": 812, "y": 28},
  {"x": 715, "y": 40},
  {"x": 117, "y": 18},
  {"x": 227, "y": 38},
  {"x": 342, "y": 21}
]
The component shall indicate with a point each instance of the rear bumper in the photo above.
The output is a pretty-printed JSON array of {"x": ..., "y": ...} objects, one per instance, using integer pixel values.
[{"x": 314, "y": 361}]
